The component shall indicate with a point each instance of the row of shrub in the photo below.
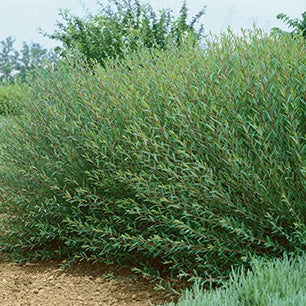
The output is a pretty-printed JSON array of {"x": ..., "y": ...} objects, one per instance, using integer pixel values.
[{"x": 183, "y": 163}]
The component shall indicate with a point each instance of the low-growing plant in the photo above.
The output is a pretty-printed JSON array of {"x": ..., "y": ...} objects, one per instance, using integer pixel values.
[
  {"x": 273, "y": 283},
  {"x": 182, "y": 163}
]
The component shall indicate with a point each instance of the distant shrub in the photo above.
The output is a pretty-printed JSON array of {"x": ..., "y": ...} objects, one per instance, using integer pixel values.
[
  {"x": 123, "y": 25},
  {"x": 298, "y": 26},
  {"x": 184, "y": 162}
]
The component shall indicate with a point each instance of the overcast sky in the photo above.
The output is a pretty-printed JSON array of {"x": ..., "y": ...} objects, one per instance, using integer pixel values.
[{"x": 22, "y": 18}]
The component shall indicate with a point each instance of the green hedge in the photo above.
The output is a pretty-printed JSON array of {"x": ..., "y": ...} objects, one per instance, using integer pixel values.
[{"x": 183, "y": 163}]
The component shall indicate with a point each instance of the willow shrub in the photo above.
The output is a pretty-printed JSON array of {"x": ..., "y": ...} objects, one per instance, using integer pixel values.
[
  {"x": 7, "y": 94},
  {"x": 183, "y": 163}
]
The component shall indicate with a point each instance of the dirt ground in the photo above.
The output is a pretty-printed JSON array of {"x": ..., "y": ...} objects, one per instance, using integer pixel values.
[{"x": 83, "y": 284}]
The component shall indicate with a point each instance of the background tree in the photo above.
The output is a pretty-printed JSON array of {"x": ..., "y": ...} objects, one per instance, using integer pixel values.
[
  {"x": 298, "y": 25},
  {"x": 18, "y": 64},
  {"x": 31, "y": 56},
  {"x": 122, "y": 27},
  {"x": 8, "y": 59}
]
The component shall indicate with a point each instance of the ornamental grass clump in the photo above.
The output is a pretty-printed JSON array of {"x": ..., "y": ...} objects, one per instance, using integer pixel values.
[{"x": 181, "y": 163}]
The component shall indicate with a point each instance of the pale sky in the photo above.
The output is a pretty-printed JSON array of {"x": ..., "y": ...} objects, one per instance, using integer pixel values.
[{"x": 22, "y": 18}]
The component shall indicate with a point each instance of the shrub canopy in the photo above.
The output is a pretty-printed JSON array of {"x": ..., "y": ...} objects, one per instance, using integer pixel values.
[
  {"x": 124, "y": 25},
  {"x": 189, "y": 160}
]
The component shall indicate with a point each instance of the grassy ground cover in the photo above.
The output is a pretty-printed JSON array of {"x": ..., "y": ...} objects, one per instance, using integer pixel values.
[
  {"x": 273, "y": 283},
  {"x": 191, "y": 161}
]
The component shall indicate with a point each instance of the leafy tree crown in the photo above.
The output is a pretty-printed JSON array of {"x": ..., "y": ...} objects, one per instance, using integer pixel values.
[{"x": 123, "y": 26}]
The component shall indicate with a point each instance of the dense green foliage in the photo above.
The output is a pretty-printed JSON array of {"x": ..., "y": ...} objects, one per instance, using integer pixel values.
[
  {"x": 274, "y": 283},
  {"x": 124, "y": 26},
  {"x": 191, "y": 160},
  {"x": 298, "y": 26},
  {"x": 8, "y": 93},
  {"x": 4, "y": 99}
]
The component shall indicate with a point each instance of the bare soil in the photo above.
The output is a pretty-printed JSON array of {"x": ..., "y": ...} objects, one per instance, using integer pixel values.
[{"x": 46, "y": 284}]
